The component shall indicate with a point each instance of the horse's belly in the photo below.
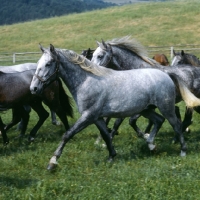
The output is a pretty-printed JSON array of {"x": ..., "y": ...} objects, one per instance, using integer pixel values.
[{"x": 124, "y": 108}]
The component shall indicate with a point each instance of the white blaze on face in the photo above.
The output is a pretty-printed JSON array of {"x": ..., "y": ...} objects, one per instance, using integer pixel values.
[
  {"x": 43, "y": 61},
  {"x": 39, "y": 71},
  {"x": 175, "y": 61},
  {"x": 96, "y": 53}
]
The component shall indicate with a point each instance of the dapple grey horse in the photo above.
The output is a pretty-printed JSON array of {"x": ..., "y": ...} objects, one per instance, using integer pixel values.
[{"x": 100, "y": 92}]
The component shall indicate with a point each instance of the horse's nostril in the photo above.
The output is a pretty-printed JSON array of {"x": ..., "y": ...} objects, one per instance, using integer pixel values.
[{"x": 35, "y": 89}]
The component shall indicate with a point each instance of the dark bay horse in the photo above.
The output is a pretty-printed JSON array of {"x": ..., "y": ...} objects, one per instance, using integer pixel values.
[
  {"x": 15, "y": 93},
  {"x": 162, "y": 59},
  {"x": 126, "y": 53},
  {"x": 88, "y": 53},
  {"x": 101, "y": 92}
]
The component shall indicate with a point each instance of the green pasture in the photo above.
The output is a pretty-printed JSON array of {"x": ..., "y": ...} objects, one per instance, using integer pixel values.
[{"x": 83, "y": 172}]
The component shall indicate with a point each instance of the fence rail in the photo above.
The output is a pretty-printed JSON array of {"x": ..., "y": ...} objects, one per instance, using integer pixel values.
[{"x": 34, "y": 56}]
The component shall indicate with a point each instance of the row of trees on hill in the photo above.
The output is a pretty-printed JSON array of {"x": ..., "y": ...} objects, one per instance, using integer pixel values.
[{"x": 25, "y": 10}]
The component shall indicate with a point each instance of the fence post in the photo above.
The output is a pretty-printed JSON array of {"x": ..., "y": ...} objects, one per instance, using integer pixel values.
[
  {"x": 172, "y": 49},
  {"x": 14, "y": 58}
]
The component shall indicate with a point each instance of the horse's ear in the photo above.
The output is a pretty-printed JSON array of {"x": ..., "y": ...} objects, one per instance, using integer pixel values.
[
  {"x": 41, "y": 47},
  {"x": 98, "y": 43},
  {"x": 174, "y": 52},
  {"x": 104, "y": 44},
  {"x": 52, "y": 49},
  {"x": 182, "y": 52}
]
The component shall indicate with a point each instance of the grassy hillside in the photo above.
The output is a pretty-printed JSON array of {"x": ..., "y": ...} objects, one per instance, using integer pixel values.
[
  {"x": 83, "y": 172},
  {"x": 164, "y": 23}
]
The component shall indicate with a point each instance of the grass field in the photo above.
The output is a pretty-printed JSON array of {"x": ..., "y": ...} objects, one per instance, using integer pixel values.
[{"x": 83, "y": 172}]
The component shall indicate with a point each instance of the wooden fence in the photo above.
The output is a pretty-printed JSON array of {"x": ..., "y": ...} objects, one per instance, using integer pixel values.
[{"x": 25, "y": 57}]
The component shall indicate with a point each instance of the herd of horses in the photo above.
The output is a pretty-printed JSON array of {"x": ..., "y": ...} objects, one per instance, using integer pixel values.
[{"x": 117, "y": 80}]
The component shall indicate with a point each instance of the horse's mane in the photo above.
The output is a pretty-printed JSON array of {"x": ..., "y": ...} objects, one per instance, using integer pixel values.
[
  {"x": 134, "y": 46},
  {"x": 193, "y": 59},
  {"x": 84, "y": 63}
]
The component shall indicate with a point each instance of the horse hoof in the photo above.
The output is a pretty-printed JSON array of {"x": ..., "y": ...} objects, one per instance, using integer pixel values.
[
  {"x": 187, "y": 130},
  {"x": 57, "y": 123},
  {"x": 6, "y": 143},
  {"x": 183, "y": 153},
  {"x": 31, "y": 139},
  {"x": 51, "y": 166},
  {"x": 146, "y": 136},
  {"x": 141, "y": 135},
  {"x": 152, "y": 147},
  {"x": 110, "y": 160}
]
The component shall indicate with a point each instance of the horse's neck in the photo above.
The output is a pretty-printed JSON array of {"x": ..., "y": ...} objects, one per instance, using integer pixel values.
[
  {"x": 193, "y": 60},
  {"x": 125, "y": 59},
  {"x": 72, "y": 75}
]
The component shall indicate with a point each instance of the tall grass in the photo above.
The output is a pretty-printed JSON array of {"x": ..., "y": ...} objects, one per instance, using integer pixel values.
[{"x": 83, "y": 172}]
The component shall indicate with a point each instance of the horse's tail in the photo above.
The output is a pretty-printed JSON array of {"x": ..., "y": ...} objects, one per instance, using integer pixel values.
[
  {"x": 65, "y": 100},
  {"x": 188, "y": 97}
]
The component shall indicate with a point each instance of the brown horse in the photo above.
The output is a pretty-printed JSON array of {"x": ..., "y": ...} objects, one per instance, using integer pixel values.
[{"x": 162, "y": 59}]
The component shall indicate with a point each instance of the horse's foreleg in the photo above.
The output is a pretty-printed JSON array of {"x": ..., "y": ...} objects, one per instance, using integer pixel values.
[
  {"x": 132, "y": 122},
  {"x": 43, "y": 115},
  {"x": 117, "y": 124},
  {"x": 177, "y": 126},
  {"x": 82, "y": 123},
  {"x": 62, "y": 115},
  {"x": 101, "y": 125},
  {"x": 99, "y": 138}
]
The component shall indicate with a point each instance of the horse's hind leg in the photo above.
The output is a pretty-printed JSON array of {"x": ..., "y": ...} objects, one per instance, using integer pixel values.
[
  {"x": 19, "y": 114},
  {"x": 3, "y": 132},
  {"x": 53, "y": 119},
  {"x": 188, "y": 118},
  {"x": 25, "y": 119},
  {"x": 132, "y": 122},
  {"x": 43, "y": 115},
  {"x": 169, "y": 114},
  {"x": 157, "y": 121}
]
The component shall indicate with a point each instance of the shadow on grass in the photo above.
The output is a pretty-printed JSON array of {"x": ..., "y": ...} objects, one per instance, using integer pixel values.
[
  {"x": 138, "y": 149},
  {"x": 18, "y": 145},
  {"x": 16, "y": 182}
]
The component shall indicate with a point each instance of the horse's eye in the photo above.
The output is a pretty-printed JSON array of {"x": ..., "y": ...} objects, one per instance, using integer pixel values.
[
  {"x": 100, "y": 57},
  {"x": 48, "y": 64}
]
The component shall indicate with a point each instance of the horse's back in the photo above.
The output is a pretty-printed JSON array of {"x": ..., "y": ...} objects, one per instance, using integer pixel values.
[
  {"x": 18, "y": 68},
  {"x": 133, "y": 90},
  {"x": 14, "y": 84}
]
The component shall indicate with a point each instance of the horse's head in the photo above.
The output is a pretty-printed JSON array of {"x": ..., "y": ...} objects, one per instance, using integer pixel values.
[
  {"x": 87, "y": 53},
  {"x": 47, "y": 69},
  {"x": 178, "y": 58},
  {"x": 103, "y": 54}
]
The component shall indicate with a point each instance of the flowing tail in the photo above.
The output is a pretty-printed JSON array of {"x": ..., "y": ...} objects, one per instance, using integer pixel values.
[
  {"x": 65, "y": 100},
  {"x": 188, "y": 97}
]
